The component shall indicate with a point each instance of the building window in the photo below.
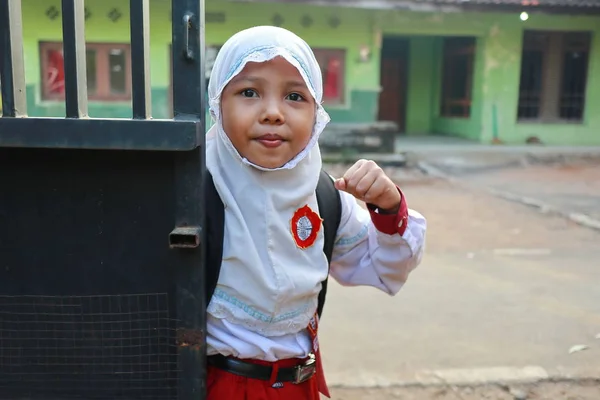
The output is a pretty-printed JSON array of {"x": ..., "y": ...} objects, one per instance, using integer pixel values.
[
  {"x": 332, "y": 63},
  {"x": 554, "y": 68},
  {"x": 457, "y": 76},
  {"x": 108, "y": 66}
]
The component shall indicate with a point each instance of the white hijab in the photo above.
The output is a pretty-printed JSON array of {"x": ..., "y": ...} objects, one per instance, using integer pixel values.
[{"x": 267, "y": 283}]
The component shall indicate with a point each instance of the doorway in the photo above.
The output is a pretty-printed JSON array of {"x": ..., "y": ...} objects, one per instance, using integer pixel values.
[{"x": 394, "y": 81}]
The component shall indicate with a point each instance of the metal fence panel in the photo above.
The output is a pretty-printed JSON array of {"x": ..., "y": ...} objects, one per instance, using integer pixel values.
[{"x": 101, "y": 266}]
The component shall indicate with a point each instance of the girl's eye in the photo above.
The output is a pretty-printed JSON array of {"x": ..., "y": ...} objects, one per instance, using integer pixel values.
[
  {"x": 295, "y": 97},
  {"x": 249, "y": 93}
]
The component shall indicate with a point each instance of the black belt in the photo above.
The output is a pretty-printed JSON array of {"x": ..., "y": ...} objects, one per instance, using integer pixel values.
[{"x": 297, "y": 374}]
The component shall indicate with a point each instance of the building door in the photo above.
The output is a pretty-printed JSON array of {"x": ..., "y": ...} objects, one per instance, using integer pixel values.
[{"x": 392, "y": 99}]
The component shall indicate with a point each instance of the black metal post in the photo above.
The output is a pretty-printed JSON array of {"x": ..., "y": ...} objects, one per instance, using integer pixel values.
[
  {"x": 140, "y": 58},
  {"x": 73, "y": 20},
  {"x": 188, "y": 59},
  {"x": 12, "y": 71},
  {"x": 188, "y": 104}
]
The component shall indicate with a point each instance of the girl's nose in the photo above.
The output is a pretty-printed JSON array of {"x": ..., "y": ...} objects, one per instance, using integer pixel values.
[{"x": 272, "y": 113}]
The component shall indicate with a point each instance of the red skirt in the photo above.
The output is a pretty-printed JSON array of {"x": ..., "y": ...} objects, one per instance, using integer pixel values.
[{"x": 222, "y": 385}]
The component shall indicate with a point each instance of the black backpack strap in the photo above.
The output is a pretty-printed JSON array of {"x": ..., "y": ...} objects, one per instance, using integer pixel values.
[
  {"x": 215, "y": 225},
  {"x": 330, "y": 209}
]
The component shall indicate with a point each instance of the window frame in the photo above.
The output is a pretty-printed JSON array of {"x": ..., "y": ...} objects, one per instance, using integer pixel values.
[
  {"x": 552, "y": 73},
  {"x": 341, "y": 54},
  {"x": 449, "y": 51},
  {"x": 103, "y": 92}
]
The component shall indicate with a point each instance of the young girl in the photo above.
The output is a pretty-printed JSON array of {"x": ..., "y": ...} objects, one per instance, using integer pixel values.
[{"x": 265, "y": 95}]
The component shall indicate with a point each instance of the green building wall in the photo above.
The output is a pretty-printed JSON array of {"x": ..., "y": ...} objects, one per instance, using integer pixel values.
[
  {"x": 361, "y": 90},
  {"x": 501, "y": 72},
  {"x": 421, "y": 89},
  {"x": 496, "y": 76}
]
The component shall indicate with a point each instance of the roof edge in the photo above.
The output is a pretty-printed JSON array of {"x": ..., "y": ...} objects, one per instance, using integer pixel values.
[{"x": 443, "y": 5}]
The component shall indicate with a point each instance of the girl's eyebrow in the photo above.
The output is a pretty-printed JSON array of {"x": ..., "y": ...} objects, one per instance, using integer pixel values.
[{"x": 296, "y": 83}]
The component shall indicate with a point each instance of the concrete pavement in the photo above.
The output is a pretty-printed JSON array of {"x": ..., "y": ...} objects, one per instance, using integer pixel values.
[
  {"x": 559, "y": 180},
  {"x": 586, "y": 390},
  {"x": 570, "y": 189}
]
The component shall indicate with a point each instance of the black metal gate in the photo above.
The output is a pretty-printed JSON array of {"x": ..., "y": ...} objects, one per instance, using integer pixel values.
[{"x": 101, "y": 266}]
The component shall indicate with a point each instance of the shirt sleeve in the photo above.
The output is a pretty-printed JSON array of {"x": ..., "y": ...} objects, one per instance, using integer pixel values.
[
  {"x": 390, "y": 223},
  {"x": 376, "y": 249}
]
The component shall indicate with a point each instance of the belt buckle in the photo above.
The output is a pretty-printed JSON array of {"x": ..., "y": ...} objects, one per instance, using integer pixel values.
[{"x": 307, "y": 370}]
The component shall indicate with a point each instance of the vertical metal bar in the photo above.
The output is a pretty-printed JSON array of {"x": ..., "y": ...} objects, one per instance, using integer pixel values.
[
  {"x": 12, "y": 66},
  {"x": 188, "y": 104},
  {"x": 188, "y": 59},
  {"x": 190, "y": 278},
  {"x": 140, "y": 58},
  {"x": 73, "y": 20}
]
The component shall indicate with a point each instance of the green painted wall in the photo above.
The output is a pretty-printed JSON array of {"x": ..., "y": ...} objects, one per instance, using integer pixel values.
[
  {"x": 424, "y": 91},
  {"x": 38, "y": 27},
  {"x": 501, "y": 76},
  {"x": 421, "y": 89},
  {"x": 496, "y": 77},
  {"x": 362, "y": 79},
  {"x": 425, "y": 66}
]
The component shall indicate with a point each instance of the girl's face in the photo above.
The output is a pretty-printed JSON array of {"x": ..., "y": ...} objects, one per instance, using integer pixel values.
[{"x": 268, "y": 112}]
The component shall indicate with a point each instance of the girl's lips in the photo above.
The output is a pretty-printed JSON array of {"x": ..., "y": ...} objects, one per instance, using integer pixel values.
[{"x": 270, "y": 143}]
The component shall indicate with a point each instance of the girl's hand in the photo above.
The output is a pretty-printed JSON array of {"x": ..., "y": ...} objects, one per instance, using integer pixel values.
[{"x": 366, "y": 181}]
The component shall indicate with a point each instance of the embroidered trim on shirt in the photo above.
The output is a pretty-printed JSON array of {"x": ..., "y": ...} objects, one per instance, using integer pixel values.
[
  {"x": 244, "y": 315},
  {"x": 353, "y": 239},
  {"x": 221, "y": 294}
]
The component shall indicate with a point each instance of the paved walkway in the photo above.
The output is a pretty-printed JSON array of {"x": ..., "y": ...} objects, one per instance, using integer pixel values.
[
  {"x": 561, "y": 180},
  {"x": 570, "y": 188},
  {"x": 546, "y": 391},
  {"x": 431, "y": 144}
]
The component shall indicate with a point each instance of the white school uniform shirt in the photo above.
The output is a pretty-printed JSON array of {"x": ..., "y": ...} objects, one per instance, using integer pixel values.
[{"x": 361, "y": 256}]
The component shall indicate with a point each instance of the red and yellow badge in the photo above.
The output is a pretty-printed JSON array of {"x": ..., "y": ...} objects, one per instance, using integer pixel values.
[{"x": 305, "y": 226}]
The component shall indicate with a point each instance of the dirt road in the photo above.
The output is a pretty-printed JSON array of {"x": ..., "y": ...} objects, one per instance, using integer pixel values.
[{"x": 501, "y": 286}]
